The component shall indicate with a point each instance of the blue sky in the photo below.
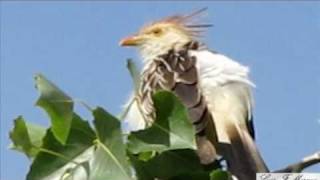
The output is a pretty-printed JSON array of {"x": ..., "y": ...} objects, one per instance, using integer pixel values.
[{"x": 75, "y": 44}]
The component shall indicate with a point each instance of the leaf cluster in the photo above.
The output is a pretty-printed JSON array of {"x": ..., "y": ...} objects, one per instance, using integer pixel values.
[{"x": 73, "y": 149}]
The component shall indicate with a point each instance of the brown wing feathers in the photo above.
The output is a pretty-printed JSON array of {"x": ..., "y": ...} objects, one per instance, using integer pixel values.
[{"x": 176, "y": 71}]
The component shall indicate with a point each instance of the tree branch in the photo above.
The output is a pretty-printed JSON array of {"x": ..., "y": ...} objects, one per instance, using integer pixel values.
[{"x": 304, "y": 163}]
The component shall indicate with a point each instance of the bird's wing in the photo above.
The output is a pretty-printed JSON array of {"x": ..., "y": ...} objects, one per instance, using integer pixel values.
[
  {"x": 226, "y": 88},
  {"x": 229, "y": 104}
]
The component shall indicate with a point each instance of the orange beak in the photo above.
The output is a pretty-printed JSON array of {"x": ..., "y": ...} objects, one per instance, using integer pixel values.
[{"x": 130, "y": 41}]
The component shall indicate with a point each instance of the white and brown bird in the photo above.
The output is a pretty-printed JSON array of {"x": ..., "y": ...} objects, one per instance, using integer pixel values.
[{"x": 215, "y": 89}]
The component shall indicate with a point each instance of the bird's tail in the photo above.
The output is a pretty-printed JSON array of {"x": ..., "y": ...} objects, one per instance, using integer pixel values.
[{"x": 242, "y": 156}]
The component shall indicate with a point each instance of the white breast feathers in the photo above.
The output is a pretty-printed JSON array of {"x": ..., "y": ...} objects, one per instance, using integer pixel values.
[{"x": 216, "y": 69}]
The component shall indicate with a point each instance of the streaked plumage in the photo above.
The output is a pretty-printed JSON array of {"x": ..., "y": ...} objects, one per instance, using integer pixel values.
[{"x": 215, "y": 89}]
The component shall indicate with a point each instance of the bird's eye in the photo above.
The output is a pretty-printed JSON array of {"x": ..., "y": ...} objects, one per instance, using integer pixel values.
[{"x": 157, "y": 31}]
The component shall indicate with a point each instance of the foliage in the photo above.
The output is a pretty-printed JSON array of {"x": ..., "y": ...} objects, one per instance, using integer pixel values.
[{"x": 72, "y": 149}]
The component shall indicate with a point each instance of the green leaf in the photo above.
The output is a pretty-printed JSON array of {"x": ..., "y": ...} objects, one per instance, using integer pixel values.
[
  {"x": 146, "y": 156},
  {"x": 58, "y": 105},
  {"x": 169, "y": 164},
  {"x": 191, "y": 175},
  {"x": 26, "y": 137},
  {"x": 172, "y": 128},
  {"x": 53, "y": 155},
  {"x": 109, "y": 161},
  {"x": 220, "y": 175},
  {"x": 135, "y": 74}
]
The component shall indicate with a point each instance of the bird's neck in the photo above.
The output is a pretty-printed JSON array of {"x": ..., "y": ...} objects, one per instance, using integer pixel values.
[{"x": 149, "y": 52}]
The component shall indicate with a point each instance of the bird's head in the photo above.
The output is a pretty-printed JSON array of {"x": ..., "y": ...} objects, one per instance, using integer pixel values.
[{"x": 161, "y": 36}]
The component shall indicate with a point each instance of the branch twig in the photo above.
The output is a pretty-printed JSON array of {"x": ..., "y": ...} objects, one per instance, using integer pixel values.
[{"x": 304, "y": 163}]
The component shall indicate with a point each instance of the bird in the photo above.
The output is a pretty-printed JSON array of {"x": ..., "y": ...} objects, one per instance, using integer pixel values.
[{"x": 216, "y": 90}]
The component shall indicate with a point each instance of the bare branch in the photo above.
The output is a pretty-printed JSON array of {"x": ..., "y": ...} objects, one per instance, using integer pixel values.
[{"x": 304, "y": 163}]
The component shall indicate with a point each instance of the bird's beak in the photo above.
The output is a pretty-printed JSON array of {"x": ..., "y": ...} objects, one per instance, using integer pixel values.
[{"x": 131, "y": 41}]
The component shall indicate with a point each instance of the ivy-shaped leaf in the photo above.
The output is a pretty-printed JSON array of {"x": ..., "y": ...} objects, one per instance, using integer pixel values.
[
  {"x": 172, "y": 128},
  {"x": 26, "y": 137},
  {"x": 169, "y": 164},
  {"x": 58, "y": 105},
  {"x": 110, "y": 160},
  {"x": 53, "y": 155}
]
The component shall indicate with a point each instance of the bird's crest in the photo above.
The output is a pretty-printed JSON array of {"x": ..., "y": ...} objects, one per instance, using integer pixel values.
[{"x": 189, "y": 22}]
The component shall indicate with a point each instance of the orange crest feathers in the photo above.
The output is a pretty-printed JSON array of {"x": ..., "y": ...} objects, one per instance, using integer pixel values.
[{"x": 188, "y": 22}]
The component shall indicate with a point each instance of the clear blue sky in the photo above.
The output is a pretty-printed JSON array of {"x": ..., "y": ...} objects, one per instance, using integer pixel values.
[{"x": 75, "y": 44}]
